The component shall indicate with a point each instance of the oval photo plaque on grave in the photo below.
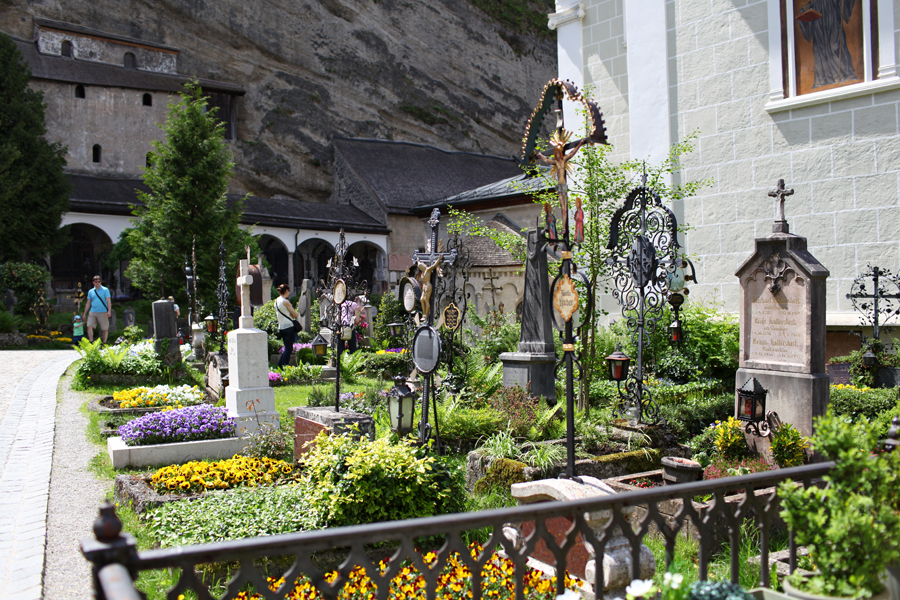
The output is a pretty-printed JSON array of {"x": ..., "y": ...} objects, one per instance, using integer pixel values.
[
  {"x": 340, "y": 291},
  {"x": 409, "y": 293},
  {"x": 426, "y": 349}
]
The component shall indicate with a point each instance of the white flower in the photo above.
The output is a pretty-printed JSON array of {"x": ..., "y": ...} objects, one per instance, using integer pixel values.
[
  {"x": 640, "y": 587},
  {"x": 673, "y": 581},
  {"x": 569, "y": 595}
]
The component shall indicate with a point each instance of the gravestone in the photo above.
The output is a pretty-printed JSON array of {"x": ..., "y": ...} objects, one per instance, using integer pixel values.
[
  {"x": 309, "y": 421},
  {"x": 150, "y": 329},
  {"x": 129, "y": 317},
  {"x": 249, "y": 398},
  {"x": 782, "y": 333},
  {"x": 304, "y": 304},
  {"x": 534, "y": 362},
  {"x": 164, "y": 332},
  {"x": 10, "y": 301}
]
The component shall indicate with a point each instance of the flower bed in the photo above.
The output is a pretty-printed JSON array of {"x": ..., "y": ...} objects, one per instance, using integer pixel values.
[
  {"x": 200, "y": 476},
  {"x": 189, "y": 424},
  {"x": 161, "y": 395},
  {"x": 121, "y": 359}
]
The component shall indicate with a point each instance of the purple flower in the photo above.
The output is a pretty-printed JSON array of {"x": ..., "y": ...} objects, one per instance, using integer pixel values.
[
  {"x": 187, "y": 424},
  {"x": 276, "y": 377}
]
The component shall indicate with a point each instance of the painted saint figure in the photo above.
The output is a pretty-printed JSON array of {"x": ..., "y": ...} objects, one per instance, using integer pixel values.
[
  {"x": 579, "y": 221},
  {"x": 822, "y": 23},
  {"x": 550, "y": 221}
]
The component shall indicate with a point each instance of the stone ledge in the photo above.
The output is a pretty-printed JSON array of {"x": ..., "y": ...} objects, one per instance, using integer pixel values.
[
  {"x": 167, "y": 454},
  {"x": 13, "y": 339},
  {"x": 136, "y": 490}
]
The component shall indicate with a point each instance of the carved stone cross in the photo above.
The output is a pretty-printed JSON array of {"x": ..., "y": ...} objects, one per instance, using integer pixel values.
[
  {"x": 244, "y": 280},
  {"x": 779, "y": 193}
]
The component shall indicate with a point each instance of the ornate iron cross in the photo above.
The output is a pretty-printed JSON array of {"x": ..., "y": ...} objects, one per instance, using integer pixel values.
[
  {"x": 428, "y": 262},
  {"x": 884, "y": 297}
]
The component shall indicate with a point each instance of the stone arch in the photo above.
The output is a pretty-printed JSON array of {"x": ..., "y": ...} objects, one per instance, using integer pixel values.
[
  {"x": 82, "y": 257},
  {"x": 276, "y": 254},
  {"x": 311, "y": 256}
]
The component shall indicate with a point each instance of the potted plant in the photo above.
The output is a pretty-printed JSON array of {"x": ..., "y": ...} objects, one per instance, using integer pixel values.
[{"x": 852, "y": 524}]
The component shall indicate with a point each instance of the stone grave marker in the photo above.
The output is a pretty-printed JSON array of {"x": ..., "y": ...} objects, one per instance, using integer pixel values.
[
  {"x": 304, "y": 304},
  {"x": 164, "y": 332},
  {"x": 9, "y": 302},
  {"x": 534, "y": 363},
  {"x": 129, "y": 318},
  {"x": 782, "y": 332}
]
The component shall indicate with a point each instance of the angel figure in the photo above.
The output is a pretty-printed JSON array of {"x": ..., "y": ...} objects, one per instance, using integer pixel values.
[
  {"x": 559, "y": 166},
  {"x": 424, "y": 279}
]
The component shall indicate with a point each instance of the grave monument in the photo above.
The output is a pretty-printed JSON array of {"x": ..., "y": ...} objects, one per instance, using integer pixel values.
[
  {"x": 248, "y": 397},
  {"x": 782, "y": 313},
  {"x": 304, "y": 303},
  {"x": 534, "y": 363},
  {"x": 164, "y": 332}
]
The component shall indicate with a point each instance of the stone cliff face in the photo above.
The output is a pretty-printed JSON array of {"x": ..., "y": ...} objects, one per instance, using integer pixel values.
[{"x": 438, "y": 72}]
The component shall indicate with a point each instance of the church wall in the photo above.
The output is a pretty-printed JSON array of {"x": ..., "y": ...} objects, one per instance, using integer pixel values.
[
  {"x": 841, "y": 156},
  {"x": 113, "y": 118}
]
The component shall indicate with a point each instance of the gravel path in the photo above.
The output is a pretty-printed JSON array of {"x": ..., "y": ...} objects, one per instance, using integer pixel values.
[{"x": 75, "y": 496}]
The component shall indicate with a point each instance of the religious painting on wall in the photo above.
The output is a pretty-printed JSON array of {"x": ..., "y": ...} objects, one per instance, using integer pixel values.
[{"x": 828, "y": 44}]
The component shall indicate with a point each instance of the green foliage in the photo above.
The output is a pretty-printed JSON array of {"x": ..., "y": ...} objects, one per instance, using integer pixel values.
[
  {"x": 730, "y": 441},
  {"x": 358, "y": 481},
  {"x": 520, "y": 16},
  {"x": 691, "y": 416},
  {"x": 271, "y": 441},
  {"x": 461, "y": 423},
  {"x": 502, "y": 473},
  {"x": 846, "y": 523},
  {"x": 188, "y": 178},
  {"x": 395, "y": 363},
  {"x": 265, "y": 318},
  {"x": 303, "y": 373},
  {"x": 854, "y": 402},
  {"x": 243, "y": 513},
  {"x": 10, "y": 323},
  {"x": 389, "y": 311},
  {"x": 788, "y": 446},
  {"x": 133, "y": 334},
  {"x": 484, "y": 380},
  {"x": 499, "y": 333},
  {"x": 518, "y": 406},
  {"x": 704, "y": 443},
  {"x": 543, "y": 456},
  {"x": 34, "y": 191},
  {"x": 25, "y": 280},
  {"x": 864, "y": 376},
  {"x": 500, "y": 445}
]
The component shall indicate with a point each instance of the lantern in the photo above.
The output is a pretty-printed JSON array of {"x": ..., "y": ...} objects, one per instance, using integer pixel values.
[
  {"x": 869, "y": 358},
  {"x": 675, "y": 332},
  {"x": 396, "y": 329},
  {"x": 211, "y": 324},
  {"x": 401, "y": 406},
  {"x": 319, "y": 346},
  {"x": 752, "y": 406},
  {"x": 618, "y": 365},
  {"x": 891, "y": 443}
]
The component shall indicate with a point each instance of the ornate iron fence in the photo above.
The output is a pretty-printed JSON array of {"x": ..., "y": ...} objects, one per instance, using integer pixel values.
[{"x": 596, "y": 525}]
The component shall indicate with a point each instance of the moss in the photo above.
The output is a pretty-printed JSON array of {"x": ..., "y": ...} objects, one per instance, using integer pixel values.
[
  {"x": 502, "y": 473},
  {"x": 636, "y": 461}
]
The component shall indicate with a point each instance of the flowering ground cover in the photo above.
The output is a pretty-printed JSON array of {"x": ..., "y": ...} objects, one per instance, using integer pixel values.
[
  {"x": 161, "y": 395},
  {"x": 188, "y": 424},
  {"x": 454, "y": 582},
  {"x": 200, "y": 476}
]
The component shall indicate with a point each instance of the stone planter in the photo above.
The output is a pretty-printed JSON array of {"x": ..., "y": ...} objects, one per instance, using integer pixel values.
[
  {"x": 156, "y": 455},
  {"x": 96, "y": 406},
  {"x": 136, "y": 490},
  {"x": 677, "y": 470}
]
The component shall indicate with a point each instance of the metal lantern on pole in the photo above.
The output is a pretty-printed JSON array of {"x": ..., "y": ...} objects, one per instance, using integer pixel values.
[
  {"x": 320, "y": 346},
  {"x": 396, "y": 329},
  {"x": 618, "y": 363},
  {"x": 752, "y": 407},
  {"x": 211, "y": 324},
  {"x": 401, "y": 406}
]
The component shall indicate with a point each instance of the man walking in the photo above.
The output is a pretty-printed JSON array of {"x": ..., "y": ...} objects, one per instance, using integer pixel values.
[{"x": 99, "y": 307}]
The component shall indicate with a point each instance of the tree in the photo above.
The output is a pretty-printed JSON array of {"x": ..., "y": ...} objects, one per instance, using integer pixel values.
[
  {"x": 188, "y": 177},
  {"x": 34, "y": 191}
]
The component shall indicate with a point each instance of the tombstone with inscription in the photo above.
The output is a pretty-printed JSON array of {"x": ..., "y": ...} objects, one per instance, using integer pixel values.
[
  {"x": 782, "y": 312},
  {"x": 129, "y": 317},
  {"x": 165, "y": 333},
  {"x": 534, "y": 363}
]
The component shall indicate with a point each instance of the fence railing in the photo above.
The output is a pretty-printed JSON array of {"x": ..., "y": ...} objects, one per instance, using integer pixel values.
[{"x": 594, "y": 525}]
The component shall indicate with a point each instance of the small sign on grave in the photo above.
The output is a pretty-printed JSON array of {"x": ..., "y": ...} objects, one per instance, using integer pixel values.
[
  {"x": 565, "y": 297},
  {"x": 451, "y": 317},
  {"x": 426, "y": 349}
]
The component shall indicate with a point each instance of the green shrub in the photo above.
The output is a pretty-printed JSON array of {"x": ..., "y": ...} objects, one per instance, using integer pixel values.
[
  {"x": 518, "y": 406},
  {"x": 499, "y": 334},
  {"x": 543, "y": 456},
  {"x": 730, "y": 441},
  {"x": 358, "y": 481},
  {"x": 10, "y": 323},
  {"x": 855, "y": 402},
  {"x": 692, "y": 416},
  {"x": 26, "y": 281},
  {"x": 788, "y": 446},
  {"x": 500, "y": 445},
  {"x": 502, "y": 473},
  {"x": 396, "y": 363},
  {"x": 483, "y": 381},
  {"x": 133, "y": 334},
  {"x": 666, "y": 393},
  {"x": 271, "y": 441},
  {"x": 460, "y": 423},
  {"x": 390, "y": 310}
]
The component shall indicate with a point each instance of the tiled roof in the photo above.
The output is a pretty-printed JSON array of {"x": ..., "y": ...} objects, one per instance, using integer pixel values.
[
  {"x": 403, "y": 175},
  {"x": 115, "y": 196},
  {"x": 510, "y": 187},
  {"x": 485, "y": 253}
]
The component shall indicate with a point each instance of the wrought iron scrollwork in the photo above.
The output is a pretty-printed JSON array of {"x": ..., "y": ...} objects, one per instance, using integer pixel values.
[{"x": 878, "y": 304}]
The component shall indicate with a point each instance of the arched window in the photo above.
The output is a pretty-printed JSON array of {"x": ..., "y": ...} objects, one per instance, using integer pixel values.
[
  {"x": 79, "y": 91},
  {"x": 66, "y": 49},
  {"x": 148, "y": 100},
  {"x": 130, "y": 60},
  {"x": 96, "y": 153}
]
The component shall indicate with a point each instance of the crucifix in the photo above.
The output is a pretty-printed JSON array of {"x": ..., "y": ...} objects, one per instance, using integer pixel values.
[
  {"x": 780, "y": 193},
  {"x": 429, "y": 262},
  {"x": 245, "y": 280},
  {"x": 490, "y": 286},
  {"x": 883, "y": 303}
]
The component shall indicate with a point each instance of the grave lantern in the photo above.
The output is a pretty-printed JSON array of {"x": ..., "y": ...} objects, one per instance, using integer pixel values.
[
  {"x": 676, "y": 332},
  {"x": 211, "y": 324},
  {"x": 319, "y": 345},
  {"x": 869, "y": 358},
  {"x": 401, "y": 406},
  {"x": 752, "y": 406},
  {"x": 396, "y": 329},
  {"x": 618, "y": 365},
  {"x": 891, "y": 443}
]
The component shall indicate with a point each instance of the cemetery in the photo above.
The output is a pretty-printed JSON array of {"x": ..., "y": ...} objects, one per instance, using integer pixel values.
[{"x": 615, "y": 434}]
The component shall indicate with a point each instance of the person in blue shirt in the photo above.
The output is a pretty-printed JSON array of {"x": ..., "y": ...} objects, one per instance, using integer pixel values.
[{"x": 99, "y": 307}]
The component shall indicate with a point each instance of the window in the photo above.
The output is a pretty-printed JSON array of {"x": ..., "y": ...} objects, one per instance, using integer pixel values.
[
  {"x": 225, "y": 105},
  {"x": 828, "y": 50},
  {"x": 130, "y": 60},
  {"x": 147, "y": 159},
  {"x": 148, "y": 100},
  {"x": 79, "y": 91},
  {"x": 66, "y": 49},
  {"x": 96, "y": 151}
]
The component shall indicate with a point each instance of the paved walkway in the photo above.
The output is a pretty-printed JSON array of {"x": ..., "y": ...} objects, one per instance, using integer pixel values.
[{"x": 28, "y": 382}]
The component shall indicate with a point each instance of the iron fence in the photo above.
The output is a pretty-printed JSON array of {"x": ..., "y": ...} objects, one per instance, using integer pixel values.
[{"x": 593, "y": 525}]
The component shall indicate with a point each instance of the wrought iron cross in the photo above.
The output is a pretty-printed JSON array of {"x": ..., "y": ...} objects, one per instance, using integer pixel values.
[
  {"x": 490, "y": 285},
  {"x": 780, "y": 193},
  {"x": 881, "y": 300},
  {"x": 430, "y": 260}
]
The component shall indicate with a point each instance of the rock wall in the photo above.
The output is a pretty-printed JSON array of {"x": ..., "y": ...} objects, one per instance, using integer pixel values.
[{"x": 438, "y": 72}]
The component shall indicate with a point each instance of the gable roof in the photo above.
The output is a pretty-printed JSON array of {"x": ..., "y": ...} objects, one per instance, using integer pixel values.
[
  {"x": 485, "y": 253},
  {"x": 404, "y": 175}
]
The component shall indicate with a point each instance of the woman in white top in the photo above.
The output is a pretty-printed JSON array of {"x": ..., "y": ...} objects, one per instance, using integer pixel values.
[{"x": 286, "y": 315}]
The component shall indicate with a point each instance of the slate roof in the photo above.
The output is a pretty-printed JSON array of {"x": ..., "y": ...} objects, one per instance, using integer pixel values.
[
  {"x": 404, "y": 175},
  {"x": 505, "y": 189},
  {"x": 70, "y": 70},
  {"x": 485, "y": 253},
  {"x": 114, "y": 196}
]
